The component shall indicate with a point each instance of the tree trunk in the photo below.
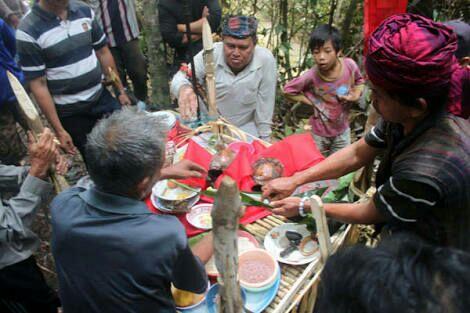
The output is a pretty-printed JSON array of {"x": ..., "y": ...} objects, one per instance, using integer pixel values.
[
  {"x": 348, "y": 18},
  {"x": 160, "y": 98},
  {"x": 225, "y": 216},
  {"x": 284, "y": 12}
]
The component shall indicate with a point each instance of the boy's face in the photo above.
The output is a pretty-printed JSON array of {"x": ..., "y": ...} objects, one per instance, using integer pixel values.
[{"x": 325, "y": 56}]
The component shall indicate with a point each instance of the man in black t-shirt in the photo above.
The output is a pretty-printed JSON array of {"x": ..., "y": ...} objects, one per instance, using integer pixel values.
[
  {"x": 423, "y": 182},
  {"x": 172, "y": 18}
]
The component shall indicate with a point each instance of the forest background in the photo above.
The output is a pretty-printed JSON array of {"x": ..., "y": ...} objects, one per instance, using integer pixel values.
[{"x": 284, "y": 28}]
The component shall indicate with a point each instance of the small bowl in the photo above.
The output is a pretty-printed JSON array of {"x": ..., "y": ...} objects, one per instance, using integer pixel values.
[
  {"x": 195, "y": 299},
  {"x": 257, "y": 270},
  {"x": 246, "y": 241},
  {"x": 200, "y": 216},
  {"x": 178, "y": 200}
]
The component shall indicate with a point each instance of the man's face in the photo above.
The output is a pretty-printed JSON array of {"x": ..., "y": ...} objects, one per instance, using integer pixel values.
[
  {"x": 325, "y": 56},
  {"x": 389, "y": 108},
  {"x": 238, "y": 52}
]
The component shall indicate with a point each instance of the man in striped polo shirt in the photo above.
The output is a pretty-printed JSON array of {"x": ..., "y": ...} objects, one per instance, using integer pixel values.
[{"x": 62, "y": 50}]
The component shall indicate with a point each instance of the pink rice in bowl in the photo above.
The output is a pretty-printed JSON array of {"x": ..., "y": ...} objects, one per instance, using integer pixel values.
[{"x": 257, "y": 269}]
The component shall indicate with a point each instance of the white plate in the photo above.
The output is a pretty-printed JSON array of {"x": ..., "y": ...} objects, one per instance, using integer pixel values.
[
  {"x": 162, "y": 191},
  {"x": 200, "y": 216},
  {"x": 276, "y": 246},
  {"x": 156, "y": 203}
]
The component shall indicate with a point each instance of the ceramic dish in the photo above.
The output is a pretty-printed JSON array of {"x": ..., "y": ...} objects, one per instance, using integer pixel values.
[
  {"x": 257, "y": 302},
  {"x": 193, "y": 299},
  {"x": 275, "y": 242},
  {"x": 200, "y": 216},
  {"x": 246, "y": 242},
  {"x": 257, "y": 270},
  {"x": 158, "y": 204},
  {"x": 212, "y": 298},
  {"x": 173, "y": 197}
]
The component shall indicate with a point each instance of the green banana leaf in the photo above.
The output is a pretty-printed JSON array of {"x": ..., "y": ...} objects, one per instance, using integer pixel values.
[{"x": 247, "y": 198}]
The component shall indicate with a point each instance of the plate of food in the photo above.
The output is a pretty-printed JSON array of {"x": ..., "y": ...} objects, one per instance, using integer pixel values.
[
  {"x": 200, "y": 216},
  {"x": 292, "y": 243},
  {"x": 173, "y": 197}
]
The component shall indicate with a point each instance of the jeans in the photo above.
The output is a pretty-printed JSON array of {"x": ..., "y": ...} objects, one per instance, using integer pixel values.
[
  {"x": 80, "y": 124},
  {"x": 130, "y": 60}
]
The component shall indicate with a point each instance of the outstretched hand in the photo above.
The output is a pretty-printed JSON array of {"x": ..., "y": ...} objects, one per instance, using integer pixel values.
[
  {"x": 183, "y": 169},
  {"x": 278, "y": 188},
  {"x": 288, "y": 207}
]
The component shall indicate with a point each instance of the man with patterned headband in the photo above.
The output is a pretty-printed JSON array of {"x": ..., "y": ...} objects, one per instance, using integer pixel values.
[
  {"x": 423, "y": 181},
  {"x": 245, "y": 76}
]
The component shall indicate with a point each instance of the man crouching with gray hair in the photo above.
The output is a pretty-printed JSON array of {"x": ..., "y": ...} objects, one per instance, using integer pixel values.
[{"x": 112, "y": 254}]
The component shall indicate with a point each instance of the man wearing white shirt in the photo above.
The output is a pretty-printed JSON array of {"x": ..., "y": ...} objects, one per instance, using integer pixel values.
[{"x": 245, "y": 77}]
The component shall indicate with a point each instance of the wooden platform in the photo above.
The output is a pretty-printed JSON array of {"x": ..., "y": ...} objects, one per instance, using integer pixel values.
[{"x": 297, "y": 291}]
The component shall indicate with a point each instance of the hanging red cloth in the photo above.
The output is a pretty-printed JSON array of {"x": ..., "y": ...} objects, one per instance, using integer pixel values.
[{"x": 375, "y": 11}]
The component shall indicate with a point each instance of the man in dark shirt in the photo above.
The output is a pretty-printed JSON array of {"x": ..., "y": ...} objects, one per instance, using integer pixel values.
[
  {"x": 111, "y": 253},
  {"x": 424, "y": 178},
  {"x": 172, "y": 18}
]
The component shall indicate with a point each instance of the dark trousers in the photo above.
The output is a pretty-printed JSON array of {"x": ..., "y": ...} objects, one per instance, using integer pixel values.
[
  {"x": 79, "y": 125},
  {"x": 23, "y": 289},
  {"x": 130, "y": 60}
]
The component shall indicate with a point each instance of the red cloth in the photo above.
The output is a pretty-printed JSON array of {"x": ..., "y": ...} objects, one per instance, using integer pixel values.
[
  {"x": 296, "y": 153},
  {"x": 375, "y": 11},
  {"x": 198, "y": 155},
  {"x": 412, "y": 55}
]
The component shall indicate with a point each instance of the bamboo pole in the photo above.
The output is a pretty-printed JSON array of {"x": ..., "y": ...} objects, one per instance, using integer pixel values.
[
  {"x": 323, "y": 234},
  {"x": 34, "y": 123},
  {"x": 208, "y": 47},
  {"x": 225, "y": 216}
]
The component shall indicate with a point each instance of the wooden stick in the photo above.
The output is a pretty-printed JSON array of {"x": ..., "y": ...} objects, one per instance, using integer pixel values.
[
  {"x": 34, "y": 123},
  {"x": 225, "y": 216},
  {"x": 208, "y": 47},
  {"x": 323, "y": 233}
]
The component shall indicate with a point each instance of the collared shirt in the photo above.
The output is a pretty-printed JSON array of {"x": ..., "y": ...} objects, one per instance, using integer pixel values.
[
  {"x": 331, "y": 117},
  {"x": 113, "y": 255},
  {"x": 17, "y": 241},
  {"x": 118, "y": 19},
  {"x": 424, "y": 178},
  {"x": 245, "y": 99},
  {"x": 7, "y": 62},
  {"x": 63, "y": 52}
]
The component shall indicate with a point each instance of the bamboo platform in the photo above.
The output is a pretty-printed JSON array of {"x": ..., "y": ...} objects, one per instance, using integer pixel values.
[{"x": 297, "y": 291}]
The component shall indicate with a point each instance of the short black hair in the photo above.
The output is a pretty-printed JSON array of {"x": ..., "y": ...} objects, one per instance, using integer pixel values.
[
  {"x": 402, "y": 275},
  {"x": 322, "y": 34}
]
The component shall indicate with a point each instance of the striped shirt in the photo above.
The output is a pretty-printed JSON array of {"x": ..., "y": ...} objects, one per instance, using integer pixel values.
[
  {"x": 424, "y": 178},
  {"x": 63, "y": 52},
  {"x": 118, "y": 19}
]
